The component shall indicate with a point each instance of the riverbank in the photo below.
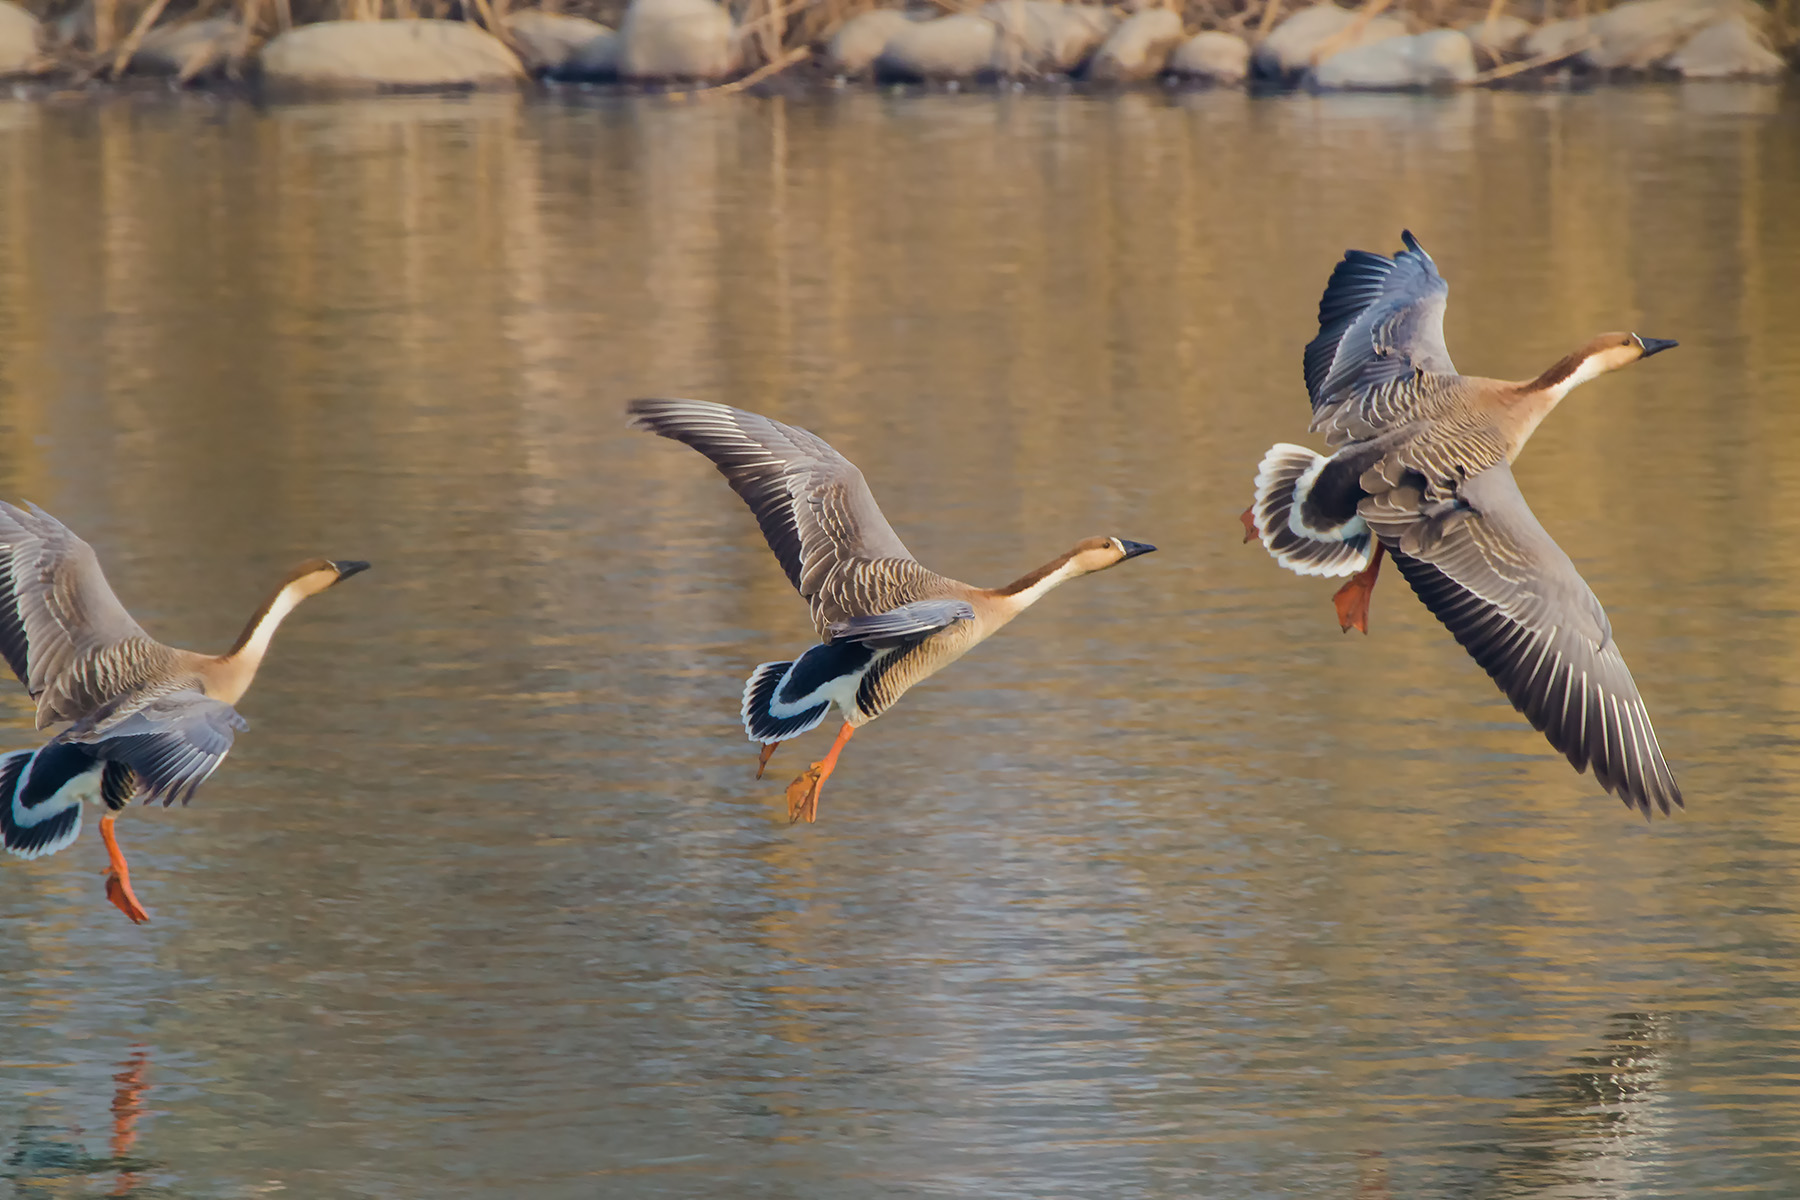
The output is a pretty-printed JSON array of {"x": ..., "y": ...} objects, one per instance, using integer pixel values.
[{"x": 400, "y": 45}]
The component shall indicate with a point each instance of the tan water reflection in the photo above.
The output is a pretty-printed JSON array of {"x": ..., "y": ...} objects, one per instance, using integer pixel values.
[{"x": 1172, "y": 890}]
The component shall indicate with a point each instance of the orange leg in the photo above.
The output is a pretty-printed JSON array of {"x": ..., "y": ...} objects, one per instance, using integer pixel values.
[
  {"x": 118, "y": 875},
  {"x": 1352, "y": 600},
  {"x": 803, "y": 793},
  {"x": 1248, "y": 517},
  {"x": 762, "y": 760}
]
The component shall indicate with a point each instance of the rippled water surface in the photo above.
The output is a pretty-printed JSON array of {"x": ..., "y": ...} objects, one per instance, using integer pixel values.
[{"x": 1172, "y": 890}]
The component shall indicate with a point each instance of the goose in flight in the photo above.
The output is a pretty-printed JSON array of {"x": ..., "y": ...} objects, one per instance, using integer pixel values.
[
  {"x": 1422, "y": 470},
  {"x": 148, "y": 720},
  {"x": 885, "y": 621}
]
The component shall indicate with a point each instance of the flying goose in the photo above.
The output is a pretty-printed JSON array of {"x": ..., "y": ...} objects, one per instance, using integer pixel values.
[
  {"x": 148, "y": 720},
  {"x": 1423, "y": 471},
  {"x": 886, "y": 621}
]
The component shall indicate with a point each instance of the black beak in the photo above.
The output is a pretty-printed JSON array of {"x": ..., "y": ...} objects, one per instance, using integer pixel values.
[
  {"x": 346, "y": 569},
  {"x": 1133, "y": 549},
  {"x": 1657, "y": 345}
]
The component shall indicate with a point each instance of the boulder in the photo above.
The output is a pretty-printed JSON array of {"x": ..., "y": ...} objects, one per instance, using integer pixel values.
[
  {"x": 595, "y": 60},
  {"x": 1637, "y": 34},
  {"x": 1441, "y": 58},
  {"x": 1293, "y": 45},
  {"x": 1045, "y": 37},
  {"x": 1215, "y": 57},
  {"x": 953, "y": 47},
  {"x": 18, "y": 40},
  {"x": 1728, "y": 49},
  {"x": 1499, "y": 38},
  {"x": 408, "y": 55},
  {"x": 548, "y": 42},
  {"x": 1138, "y": 48},
  {"x": 1558, "y": 38},
  {"x": 859, "y": 41},
  {"x": 193, "y": 49},
  {"x": 677, "y": 39}
]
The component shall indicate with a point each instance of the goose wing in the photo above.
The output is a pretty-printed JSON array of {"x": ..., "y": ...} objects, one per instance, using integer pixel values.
[
  {"x": 907, "y": 622},
  {"x": 1486, "y": 569},
  {"x": 815, "y": 510},
  {"x": 1381, "y": 321},
  {"x": 62, "y": 631},
  {"x": 172, "y": 742}
]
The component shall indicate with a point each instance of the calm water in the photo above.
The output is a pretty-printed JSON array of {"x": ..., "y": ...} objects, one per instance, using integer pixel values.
[{"x": 1172, "y": 890}]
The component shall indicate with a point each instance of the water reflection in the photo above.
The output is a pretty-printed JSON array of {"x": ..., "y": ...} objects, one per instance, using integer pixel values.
[
  {"x": 1588, "y": 1129},
  {"x": 45, "y": 1159},
  {"x": 1175, "y": 892}
]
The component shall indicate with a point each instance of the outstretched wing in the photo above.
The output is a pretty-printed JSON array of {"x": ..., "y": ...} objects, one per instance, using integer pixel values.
[
  {"x": 1485, "y": 568},
  {"x": 171, "y": 743},
  {"x": 62, "y": 631},
  {"x": 900, "y": 624},
  {"x": 815, "y": 510},
  {"x": 1381, "y": 320}
]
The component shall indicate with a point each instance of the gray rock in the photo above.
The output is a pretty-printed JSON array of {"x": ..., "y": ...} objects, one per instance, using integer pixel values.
[
  {"x": 18, "y": 40},
  {"x": 1217, "y": 57},
  {"x": 1728, "y": 49},
  {"x": 191, "y": 50},
  {"x": 378, "y": 55},
  {"x": 1635, "y": 35},
  {"x": 677, "y": 39},
  {"x": 1558, "y": 38},
  {"x": 548, "y": 42},
  {"x": 1293, "y": 45},
  {"x": 1045, "y": 37},
  {"x": 1498, "y": 38},
  {"x": 954, "y": 47},
  {"x": 859, "y": 41},
  {"x": 595, "y": 60},
  {"x": 1138, "y": 48},
  {"x": 1441, "y": 58}
]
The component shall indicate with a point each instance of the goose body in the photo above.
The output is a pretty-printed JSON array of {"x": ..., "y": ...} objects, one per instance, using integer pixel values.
[
  {"x": 1422, "y": 470},
  {"x": 886, "y": 622},
  {"x": 147, "y": 720}
]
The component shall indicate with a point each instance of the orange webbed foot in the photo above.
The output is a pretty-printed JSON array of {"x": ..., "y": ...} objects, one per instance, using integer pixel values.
[
  {"x": 118, "y": 890},
  {"x": 803, "y": 794},
  {"x": 1352, "y": 604},
  {"x": 1352, "y": 600},
  {"x": 1248, "y": 517},
  {"x": 762, "y": 758}
]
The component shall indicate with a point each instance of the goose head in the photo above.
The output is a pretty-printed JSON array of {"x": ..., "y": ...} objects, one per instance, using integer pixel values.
[
  {"x": 1099, "y": 553},
  {"x": 316, "y": 574}
]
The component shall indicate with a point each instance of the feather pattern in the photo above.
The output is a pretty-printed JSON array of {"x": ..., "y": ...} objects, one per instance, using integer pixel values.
[
  {"x": 36, "y": 824},
  {"x": 1509, "y": 595},
  {"x": 171, "y": 742},
  {"x": 62, "y": 630},
  {"x": 812, "y": 504},
  {"x": 1381, "y": 336}
]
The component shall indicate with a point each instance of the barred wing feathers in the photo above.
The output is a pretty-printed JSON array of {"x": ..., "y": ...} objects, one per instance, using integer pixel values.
[
  {"x": 1506, "y": 591},
  {"x": 1381, "y": 323},
  {"x": 814, "y": 508},
  {"x": 62, "y": 630}
]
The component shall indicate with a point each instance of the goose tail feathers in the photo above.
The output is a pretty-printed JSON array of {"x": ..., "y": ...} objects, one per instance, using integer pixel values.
[
  {"x": 34, "y": 830},
  {"x": 1284, "y": 479},
  {"x": 766, "y": 719}
]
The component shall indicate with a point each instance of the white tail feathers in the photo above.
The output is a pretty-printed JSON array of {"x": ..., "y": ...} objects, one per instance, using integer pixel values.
[
  {"x": 766, "y": 718},
  {"x": 47, "y": 826},
  {"x": 1283, "y": 479}
]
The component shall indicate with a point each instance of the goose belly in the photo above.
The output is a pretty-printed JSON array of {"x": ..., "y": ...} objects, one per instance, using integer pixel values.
[{"x": 893, "y": 672}]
